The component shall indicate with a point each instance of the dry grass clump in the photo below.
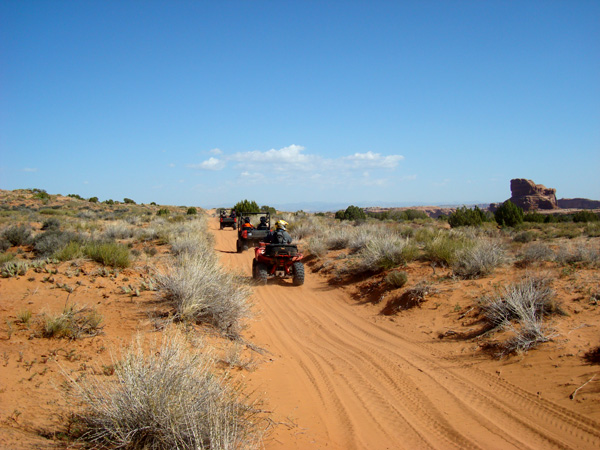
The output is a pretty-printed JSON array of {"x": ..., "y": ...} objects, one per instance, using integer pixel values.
[
  {"x": 579, "y": 253},
  {"x": 384, "y": 253},
  {"x": 73, "y": 323},
  {"x": 119, "y": 230},
  {"x": 444, "y": 247},
  {"x": 520, "y": 308},
  {"x": 166, "y": 398},
  {"x": 480, "y": 259},
  {"x": 200, "y": 290},
  {"x": 536, "y": 252},
  {"x": 397, "y": 278}
]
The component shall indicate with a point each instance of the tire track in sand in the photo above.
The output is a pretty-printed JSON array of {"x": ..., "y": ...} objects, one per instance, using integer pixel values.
[{"x": 350, "y": 383}]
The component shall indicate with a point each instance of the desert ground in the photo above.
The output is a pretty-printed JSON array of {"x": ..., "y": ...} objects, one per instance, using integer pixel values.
[{"x": 340, "y": 362}]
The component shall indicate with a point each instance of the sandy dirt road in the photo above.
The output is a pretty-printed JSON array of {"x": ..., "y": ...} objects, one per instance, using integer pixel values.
[{"x": 337, "y": 377}]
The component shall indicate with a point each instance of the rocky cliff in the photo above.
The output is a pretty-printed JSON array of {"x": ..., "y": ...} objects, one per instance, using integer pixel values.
[{"x": 530, "y": 196}]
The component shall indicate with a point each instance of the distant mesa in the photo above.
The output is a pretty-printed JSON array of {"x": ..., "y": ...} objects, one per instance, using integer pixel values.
[
  {"x": 530, "y": 196},
  {"x": 578, "y": 203},
  {"x": 533, "y": 197}
]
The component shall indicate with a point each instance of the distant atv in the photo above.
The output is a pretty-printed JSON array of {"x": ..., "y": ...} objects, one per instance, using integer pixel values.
[
  {"x": 227, "y": 218},
  {"x": 277, "y": 260},
  {"x": 252, "y": 236}
]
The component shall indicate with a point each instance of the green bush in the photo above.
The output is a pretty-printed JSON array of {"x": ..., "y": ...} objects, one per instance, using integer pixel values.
[
  {"x": 108, "y": 253},
  {"x": 192, "y": 211},
  {"x": 41, "y": 194},
  {"x": 534, "y": 217},
  {"x": 51, "y": 224},
  {"x": 396, "y": 279},
  {"x": 128, "y": 201},
  {"x": 164, "y": 212},
  {"x": 269, "y": 209},
  {"x": 77, "y": 196},
  {"x": 351, "y": 213},
  {"x": 246, "y": 206},
  {"x": 109, "y": 202},
  {"x": 508, "y": 214},
  {"x": 18, "y": 235},
  {"x": 93, "y": 200},
  {"x": 585, "y": 216},
  {"x": 52, "y": 241},
  {"x": 464, "y": 216}
]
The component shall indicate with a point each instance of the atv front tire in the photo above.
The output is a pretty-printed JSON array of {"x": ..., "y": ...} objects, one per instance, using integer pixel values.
[
  {"x": 298, "y": 270},
  {"x": 238, "y": 247}
]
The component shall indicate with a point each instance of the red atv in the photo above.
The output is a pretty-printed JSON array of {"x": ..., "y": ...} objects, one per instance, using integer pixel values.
[{"x": 277, "y": 260}]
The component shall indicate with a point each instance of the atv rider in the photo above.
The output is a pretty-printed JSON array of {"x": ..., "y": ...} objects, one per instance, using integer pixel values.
[
  {"x": 247, "y": 225},
  {"x": 263, "y": 224},
  {"x": 280, "y": 235}
]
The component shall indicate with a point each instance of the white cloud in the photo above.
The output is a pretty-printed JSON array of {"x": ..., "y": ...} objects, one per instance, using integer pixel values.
[
  {"x": 171, "y": 165},
  {"x": 286, "y": 158},
  {"x": 373, "y": 160},
  {"x": 211, "y": 163},
  {"x": 216, "y": 151},
  {"x": 30, "y": 169}
]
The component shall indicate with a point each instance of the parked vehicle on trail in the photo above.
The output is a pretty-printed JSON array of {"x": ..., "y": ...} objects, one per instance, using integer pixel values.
[
  {"x": 227, "y": 218},
  {"x": 278, "y": 261},
  {"x": 249, "y": 234}
]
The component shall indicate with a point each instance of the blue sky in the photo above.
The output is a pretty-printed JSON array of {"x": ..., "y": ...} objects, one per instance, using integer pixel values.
[{"x": 293, "y": 102}]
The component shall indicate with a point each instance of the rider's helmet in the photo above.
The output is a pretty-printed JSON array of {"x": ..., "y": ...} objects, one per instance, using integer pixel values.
[
  {"x": 281, "y": 224},
  {"x": 263, "y": 219}
]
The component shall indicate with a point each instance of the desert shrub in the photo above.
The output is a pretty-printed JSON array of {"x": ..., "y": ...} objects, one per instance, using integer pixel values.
[
  {"x": 246, "y": 206},
  {"x": 118, "y": 230},
  {"x": 592, "y": 229},
  {"x": 200, "y": 290},
  {"x": 163, "y": 212},
  {"x": 534, "y": 217},
  {"x": 508, "y": 214},
  {"x": 52, "y": 241},
  {"x": 520, "y": 308},
  {"x": 537, "y": 252},
  {"x": 51, "y": 224},
  {"x": 6, "y": 257},
  {"x": 315, "y": 245},
  {"x": 40, "y": 194},
  {"x": 18, "y": 235},
  {"x": 191, "y": 211},
  {"x": 579, "y": 253},
  {"x": 479, "y": 260},
  {"x": 73, "y": 323},
  {"x": 72, "y": 250},
  {"x": 128, "y": 201},
  {"x": 109, "y": 202},
  {"x": 269, "y": 209},
  {"x": 524, "y": 237},
  {"x": 397, "y": 278},
  {"x": 351, "y": 213},
  {"x": 361, "y": 235},
  {"x": 384, "y": 253},
  {"x": 108, "y": 253},
  {"x": 585, "y": 216},
  {"x": 77, "y": 196},
  {"x": 93, "y": 200},
  {"x": 169, "y": 397},
  {"x": 4, "y": 245},
  {"x": 464, "y": 216},
  {"x": 445, "y": 247}
]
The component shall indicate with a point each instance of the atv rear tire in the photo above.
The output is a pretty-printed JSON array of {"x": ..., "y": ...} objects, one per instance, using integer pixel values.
[
  {"x": 262, "y": 275},
  {"x": 298, "y": 269},
  {"x": 238, "y": 247}
]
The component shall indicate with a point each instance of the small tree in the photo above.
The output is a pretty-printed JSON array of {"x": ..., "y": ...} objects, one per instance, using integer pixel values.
[
  {"x": 93, "y": 200},
  {"x": 508, "y": 214},
  {"x": 192, "y": 211},
  {"x": 246, "y": 206},
  {"x": 128, "y": 200},
  {"x": 352, "y": 213},
  {"x": 269, "y": 209},
  {"x": 464, "y": 217}
]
